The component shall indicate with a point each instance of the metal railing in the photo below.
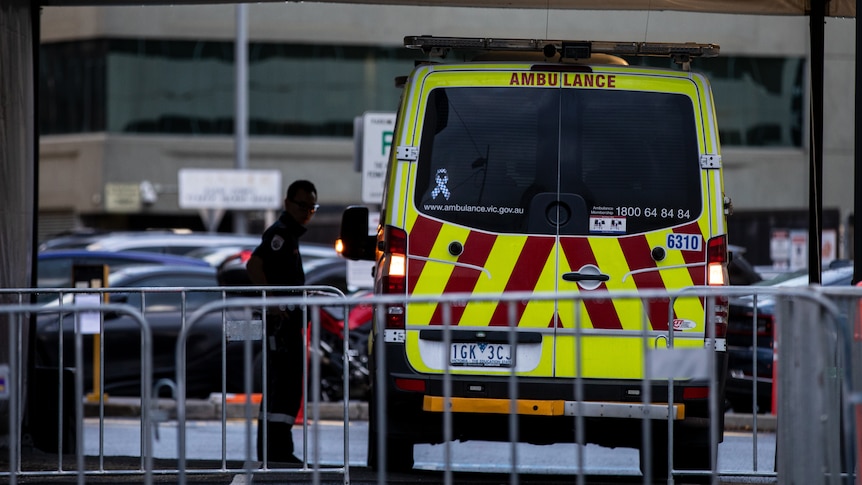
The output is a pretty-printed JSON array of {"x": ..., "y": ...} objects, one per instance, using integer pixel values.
[
  {"x": 17, "y": 316},
  {"x": 818, "y": 393}
]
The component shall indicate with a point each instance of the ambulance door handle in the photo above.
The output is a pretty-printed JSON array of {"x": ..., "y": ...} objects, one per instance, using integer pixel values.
[{"x": 585, "y": 277}]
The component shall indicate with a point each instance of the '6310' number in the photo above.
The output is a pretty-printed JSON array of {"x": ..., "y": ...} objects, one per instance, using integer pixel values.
[{"x": 684, "y": 242}]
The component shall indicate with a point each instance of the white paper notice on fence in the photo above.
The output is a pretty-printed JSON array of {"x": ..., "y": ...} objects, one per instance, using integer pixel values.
[
  {"x": 679, "y": 363},
  {"x": 88, "y": 322}
]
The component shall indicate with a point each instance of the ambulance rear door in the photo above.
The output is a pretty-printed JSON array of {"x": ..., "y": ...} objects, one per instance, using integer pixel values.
[
  {"x": 634, "y": 212},
  {"x": 484, "y": 140}
]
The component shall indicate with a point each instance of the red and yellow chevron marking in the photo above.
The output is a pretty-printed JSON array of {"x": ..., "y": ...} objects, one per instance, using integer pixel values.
[{"x": 498, "y": 264}]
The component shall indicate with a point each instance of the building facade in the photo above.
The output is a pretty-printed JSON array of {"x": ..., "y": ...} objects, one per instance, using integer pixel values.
[{"x": 130, "y": 95}]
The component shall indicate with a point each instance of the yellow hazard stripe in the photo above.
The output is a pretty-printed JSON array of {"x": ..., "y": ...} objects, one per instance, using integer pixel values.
[
  {"x": 411, "y": 115},
  {"x": 500, "y": 262},
  {"x": 609, "y": 254},
  {"x": 687, "y": 308}
]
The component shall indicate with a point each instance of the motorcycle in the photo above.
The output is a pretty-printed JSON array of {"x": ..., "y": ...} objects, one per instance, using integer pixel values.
[
  {"x": 331, "y": 352},
  {"x": 330, "y": 349}
]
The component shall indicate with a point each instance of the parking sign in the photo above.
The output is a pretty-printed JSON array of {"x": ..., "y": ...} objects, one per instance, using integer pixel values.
[{"x": 376, "y": 140}]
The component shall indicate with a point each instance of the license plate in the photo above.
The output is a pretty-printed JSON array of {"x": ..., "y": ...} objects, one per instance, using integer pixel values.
[{"x": 480, "y": 354}]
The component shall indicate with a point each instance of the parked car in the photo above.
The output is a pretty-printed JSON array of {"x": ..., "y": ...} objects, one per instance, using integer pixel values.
[
  {"x": 170, "y": 243},
  {"x": 215, "y": 255},
  {"x": 328, "y": 272},
  {"x": 741, "y": 348},
  {"x": 739, "y": 269},
  {"x": 81, "y": 238},
  {"x": 54, "y": 267},
  {"x": 324, "y": 271},
  {"x": 163, "y": 312}
]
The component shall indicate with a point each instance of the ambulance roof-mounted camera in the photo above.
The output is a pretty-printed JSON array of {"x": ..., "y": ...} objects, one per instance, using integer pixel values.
[{"x": 440, "y": 47}]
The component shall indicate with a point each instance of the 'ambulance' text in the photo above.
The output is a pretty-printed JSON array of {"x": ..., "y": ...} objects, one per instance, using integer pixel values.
[{"x": 563, "y": 79}]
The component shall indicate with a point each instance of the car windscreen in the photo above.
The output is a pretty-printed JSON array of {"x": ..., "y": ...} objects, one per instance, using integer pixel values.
[{"x": 494, "y": 158}]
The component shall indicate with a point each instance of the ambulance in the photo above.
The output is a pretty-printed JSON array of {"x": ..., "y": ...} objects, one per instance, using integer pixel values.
[{"x": 547, "y": 167}]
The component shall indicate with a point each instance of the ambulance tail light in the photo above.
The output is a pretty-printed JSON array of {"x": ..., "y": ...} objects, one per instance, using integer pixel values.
[
  {"x": 413, "y": 385},
  {"x": 695, "y": 393},
  {"x": 716, "y": 270},
  {"x": 394, "y": 272},
  {"x": 716, "y": 261}
]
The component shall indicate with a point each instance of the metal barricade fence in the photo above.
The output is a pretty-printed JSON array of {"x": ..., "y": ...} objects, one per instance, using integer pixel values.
[
  {"x": 650, "y": 413},
  {"x": 17, "y": 317},
  {"x": 331, "y": 297},
  {"x": 814, "y": 381},
  {"x": 702, "y": 361},
  {"x": 65, "y": 311},
  {"x": 818, "y": 379}
]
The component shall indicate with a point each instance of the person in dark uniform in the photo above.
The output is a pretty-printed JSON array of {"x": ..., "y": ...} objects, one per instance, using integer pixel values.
[{"x": 277, "y": 262}]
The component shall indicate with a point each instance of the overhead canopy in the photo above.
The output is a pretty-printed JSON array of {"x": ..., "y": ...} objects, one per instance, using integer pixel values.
[{"x": 834, "y": 8}]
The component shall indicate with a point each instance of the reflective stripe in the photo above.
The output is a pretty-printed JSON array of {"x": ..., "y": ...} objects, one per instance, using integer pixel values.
[
  {"x": 495, "y": 406},
  {"x": 554, "y": 408},
  {"x": 398, "y": 182},
  {"x": 718, "y": 195}
]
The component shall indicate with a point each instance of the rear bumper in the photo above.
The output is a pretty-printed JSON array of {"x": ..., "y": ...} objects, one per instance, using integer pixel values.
[
  {"x": 547, "y": 409},
  {"x": 530, "y": 407}
]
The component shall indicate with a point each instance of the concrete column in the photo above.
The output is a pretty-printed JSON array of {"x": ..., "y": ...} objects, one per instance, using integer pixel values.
[{"x": 18, "y": 29}]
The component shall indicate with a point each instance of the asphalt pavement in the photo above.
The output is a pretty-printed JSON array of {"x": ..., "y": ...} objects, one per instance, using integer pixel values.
[{"x": 211, "y": 409}]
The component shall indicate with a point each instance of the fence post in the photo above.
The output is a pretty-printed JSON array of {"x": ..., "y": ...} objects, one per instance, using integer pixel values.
[
  {"x": 857, "y": 381},
  {"x": 806, "y": 445}
]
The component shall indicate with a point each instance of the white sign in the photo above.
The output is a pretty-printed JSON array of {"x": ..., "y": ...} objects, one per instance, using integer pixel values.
[
  {"x": 789, "y": 248},
  {"x": 779, "y": 249},
  {"x": 89, "y": 323},
  {"x": 230, "y": 189},
  {"x": 359, "y": 275},
  {"x": 377, "y": 132},
  {"x": 680, "y": 363}
]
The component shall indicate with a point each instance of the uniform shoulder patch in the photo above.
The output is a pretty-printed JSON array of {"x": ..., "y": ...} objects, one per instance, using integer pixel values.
[{"x": 276, "y": 243}]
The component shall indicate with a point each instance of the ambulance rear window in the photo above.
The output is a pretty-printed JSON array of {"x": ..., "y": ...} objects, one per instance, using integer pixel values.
[{"x": 573, "y": 161}]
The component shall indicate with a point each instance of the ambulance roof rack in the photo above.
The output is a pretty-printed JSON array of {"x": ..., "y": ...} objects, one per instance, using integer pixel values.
[{"x": 682, "y": 53}]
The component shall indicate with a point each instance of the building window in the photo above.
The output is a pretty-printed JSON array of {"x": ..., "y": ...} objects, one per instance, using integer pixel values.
[
  {"x": 72, "y": 87},
  {"x": 758, "y": 100},
  {"x": 187, "y": 88}
]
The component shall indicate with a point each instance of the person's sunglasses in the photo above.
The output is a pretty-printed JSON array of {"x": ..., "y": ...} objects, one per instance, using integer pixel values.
[{"x": 307, "y": 207}]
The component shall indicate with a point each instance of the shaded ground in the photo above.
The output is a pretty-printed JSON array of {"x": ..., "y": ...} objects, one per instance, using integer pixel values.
[{"x": 124, "y": 470}]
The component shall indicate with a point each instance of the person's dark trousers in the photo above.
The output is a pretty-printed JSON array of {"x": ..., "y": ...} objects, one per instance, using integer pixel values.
[{"x": 284, "y": 386}]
